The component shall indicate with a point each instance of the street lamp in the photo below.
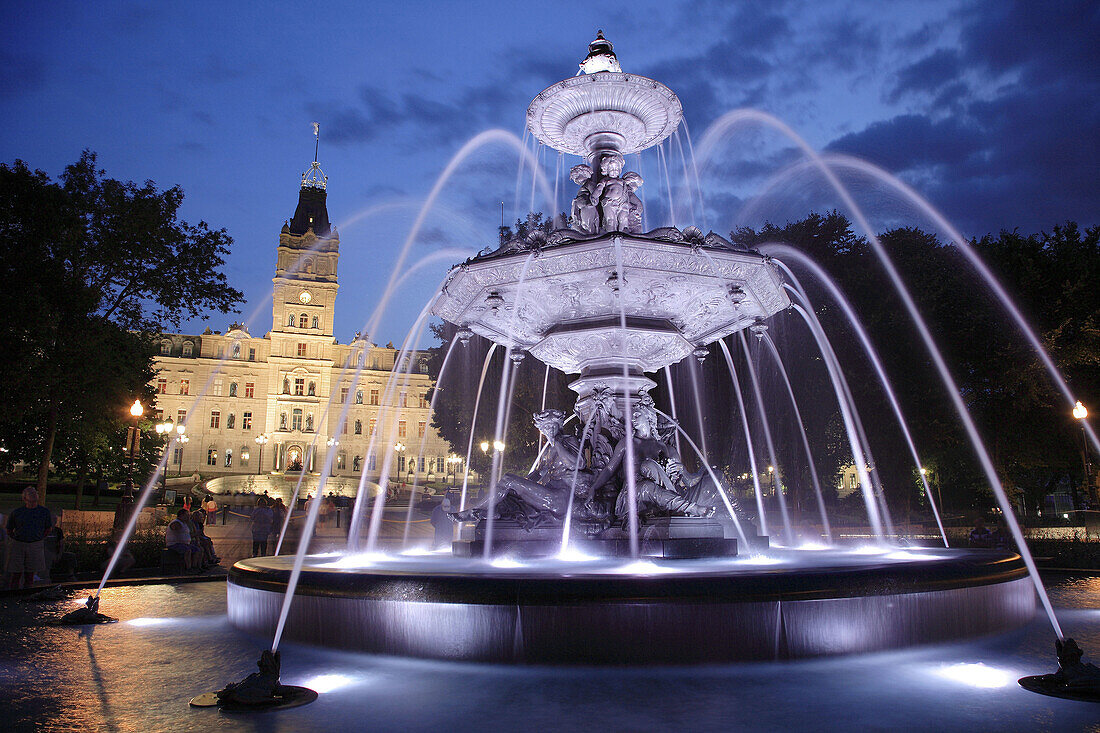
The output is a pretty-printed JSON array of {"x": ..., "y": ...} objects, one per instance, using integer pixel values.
[
  {"x": 454, "y": 460},
  {"x": 771, "y": 473},
  {"x": 400, "y": 448},
  {"x": 261, "y": 440},
  {"x": 498, "y": 446},
  {"x": 1080, "y": 412},
  {"x": 165, "y": 428},
  {"x": 332, "y": 443},
  {"x": 182, "y": 440},
  {"x": 133, "y": 445},
  {"x": 484, "y": 446}
]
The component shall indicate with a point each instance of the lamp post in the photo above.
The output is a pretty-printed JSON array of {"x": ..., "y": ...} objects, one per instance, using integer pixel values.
[
  {"x": 181, "y": 440},
  {"x": 261, "y": 440},
  {"x": 165, "y": 428},
  {"x": 332, "y": 443},
  {"x": 133, "y": 445},
  {"x": 1080, "y": 412},
  {"x": 400, "y": 448},
  {"x": 771, "y": 473},
  {"x": 454, "y": 460}
]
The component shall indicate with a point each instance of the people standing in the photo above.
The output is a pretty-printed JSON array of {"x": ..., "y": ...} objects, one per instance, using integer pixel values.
[
  {"x": 211, "y": 508},
  {"x": 262, "y": 519},
  {"x": 27, "y": 526}
]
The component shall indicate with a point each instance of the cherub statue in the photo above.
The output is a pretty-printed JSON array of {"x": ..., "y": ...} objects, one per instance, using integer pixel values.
[
  {"x": 634, "y": 216},
  {"x": 584, "y": 216},
  {"x": 613, "y": 194}
]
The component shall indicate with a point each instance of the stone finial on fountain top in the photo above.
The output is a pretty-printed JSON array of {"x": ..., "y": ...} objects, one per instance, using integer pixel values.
[{"x": 601, "y": 56}]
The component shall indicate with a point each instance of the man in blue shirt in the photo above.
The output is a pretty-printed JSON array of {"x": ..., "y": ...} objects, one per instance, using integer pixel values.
[{"x": 27, "y": 526}]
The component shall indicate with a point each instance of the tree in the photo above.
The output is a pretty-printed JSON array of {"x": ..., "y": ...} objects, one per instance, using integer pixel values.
[{"x": 94, "y": 267}]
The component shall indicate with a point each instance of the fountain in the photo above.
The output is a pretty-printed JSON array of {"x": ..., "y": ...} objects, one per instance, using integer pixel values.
[{"x": 610, "y": 550}]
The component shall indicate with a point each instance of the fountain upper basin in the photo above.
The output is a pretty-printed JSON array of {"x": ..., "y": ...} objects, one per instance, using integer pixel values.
[{"x": 790, "y": 604}]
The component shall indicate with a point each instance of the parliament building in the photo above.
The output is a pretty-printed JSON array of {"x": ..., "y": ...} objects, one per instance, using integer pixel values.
[{"x": 229, "y": 389}]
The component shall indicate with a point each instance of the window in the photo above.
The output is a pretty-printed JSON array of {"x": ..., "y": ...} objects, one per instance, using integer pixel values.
[
  {"x": 215, "y": 418},
  {"x": 299, "y": 386},
  {"x": 422, "y": 463},
  {"x": 177, "y": 455},
  {"x": 359, "y": 397},
  {"x": 341, "y": 460},
  {"x": 244, "y": 456},
  {"x": 290, "y": 319},
  {"x": 185, "y": 386},
  {"x": 230, "y": 421},
  {"x": 162, "y": 386},
  {"x": 165, "y": 348},
  {"x": 282, "y": 421},
  {"x": 212, "y": 457},
  {"x": 286, "y": 386},
  {"x": 236, "y": 351},
  {"x": 303, "y": 321},
  {"x": 374, "y": 397},
  {"x": 232, "y": 389},
  {"x": 344, "y": 428},
  {"x": 404, "y": 399},
  {"x": 402, "y": 429},
  {"x": 301, "y": 349},
  {"x": 181, "y": 417},
  {"x": 316, "y": 322},
  {"x": 401, "y": 464},
  {"x": 358, "y": 427},
  {"x": 252, "y": 354},
  {"x": 296, "y": 419},
  {"x": 373, "y": 422},
  {"x": 423, "y": 401},
  {"x": 420, "y": 429},
  {"x": 370, "y": 462},
  {"x": 249, "y": 389},
  {"x": 312, "y": 391},
  {"x": 246, "y": 421},
  {"x": 228, "y": 458},
  {"x": 216, "y": 389},
  {"x": 355, "y": 464},
  {"x": 343, "y": 395},
  {"x": 188, "y": 348}
]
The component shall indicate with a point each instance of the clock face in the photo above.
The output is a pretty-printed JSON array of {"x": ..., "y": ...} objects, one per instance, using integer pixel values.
[{"x": 305, "y": 297}]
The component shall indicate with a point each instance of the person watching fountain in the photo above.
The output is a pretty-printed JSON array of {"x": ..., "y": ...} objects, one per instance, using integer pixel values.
[
  {"x": 262, "y": 520},
  {"x": 178, "y": 539},
  {"x": 27, "y": 526}
]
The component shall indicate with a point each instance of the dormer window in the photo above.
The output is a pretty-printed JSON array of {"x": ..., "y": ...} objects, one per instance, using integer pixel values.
[
  {"x": 188, "y": 348},
  {"x": 165, "y": 348}
]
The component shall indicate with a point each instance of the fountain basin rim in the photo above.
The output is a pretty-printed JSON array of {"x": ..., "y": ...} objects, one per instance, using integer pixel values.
[{"x": 950, "y": 570}]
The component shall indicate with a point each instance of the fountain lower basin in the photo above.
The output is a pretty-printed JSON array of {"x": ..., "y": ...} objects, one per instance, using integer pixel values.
[{"x": 789, "y": 605}]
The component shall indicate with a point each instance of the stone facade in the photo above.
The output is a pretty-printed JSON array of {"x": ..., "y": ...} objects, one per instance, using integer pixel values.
[{"x": 230, "y": 388}]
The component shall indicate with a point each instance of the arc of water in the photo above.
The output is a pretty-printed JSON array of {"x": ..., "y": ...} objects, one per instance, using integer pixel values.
[
  {"x": 504, "y": 399},
  {"x": 693, "y": 370},
  {"x": 545, "y": 384},
  {"x": 720, "y": 486},
  {"x": 948, "y": 380},
  {"x": 847, "y": 414},
  {"x": 568, "y": 523},
  {"x": 695, "y": 171},
  {"x": 802, "y": 432},
  {"x": 758, "y": 494},
  {"x": 424, "y": 437},
  {"x": 542, "y": 451},
  {"x": 473, "y": 423},
  {"x": 672, "y": 403},
  {"x": 789, "y": 252},
  {"x": 629, "y": 468},
  {"x": 759, "y": 395}
]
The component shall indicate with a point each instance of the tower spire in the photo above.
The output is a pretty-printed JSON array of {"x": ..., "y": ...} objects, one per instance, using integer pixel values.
[{"x": 315, "y": 177}]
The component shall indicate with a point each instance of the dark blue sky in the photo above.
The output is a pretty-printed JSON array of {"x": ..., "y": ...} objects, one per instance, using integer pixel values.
[{"x": 991, "y": 110}]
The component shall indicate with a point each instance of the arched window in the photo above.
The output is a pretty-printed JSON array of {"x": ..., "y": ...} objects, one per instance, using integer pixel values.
[
  {"x": 316, "y": 322},
  {"x": 244, "y": 455},
  {"x": 165, "y": 348},
  {"x": 312, "y": 389},
  {"x": 358, "y": 427},
  {"x": 341, "y": 460},
  {"x": 286, "y": 385},
  {"x": 355, "y": 463},
  {"x": 188, "y": 348},
  {"x": 303, "y": 321},
  {"x": 232, "y": 389},
  {"x": 295, "y": 419},
  {"x": 359, "y": 397},
  {"x": 290, "y": 319}
]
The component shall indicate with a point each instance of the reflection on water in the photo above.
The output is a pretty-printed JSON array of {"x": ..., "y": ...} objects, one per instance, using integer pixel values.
[{"x": 173, "y": 643}]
